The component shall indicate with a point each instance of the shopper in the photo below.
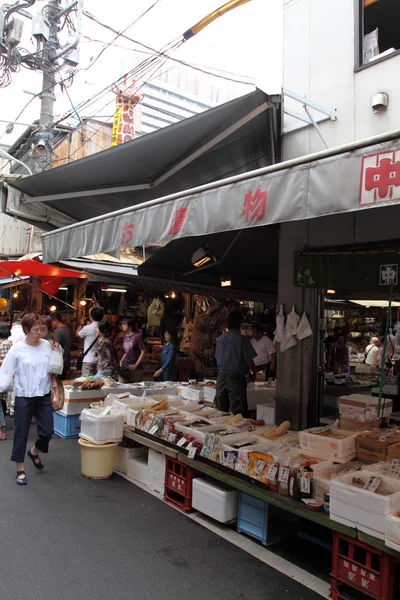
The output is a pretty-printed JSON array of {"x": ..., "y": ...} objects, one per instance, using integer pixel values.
[
  {"x": 338, "y": 361},
  {"x": 107, "y": 363},
  {"x": 89, "y": 335},
  {"x": 331, "y": 339},
  {"x": 371, "y": 354},
  {"x": 5, "y": 346},
  {"x": 266, "y": 352},
  {"x": 62, "y": 336},
  {"x": 28, "y": 362},
  {"x": 235, "y": 356},
  {"x": 134, "y": 352},
  {"x": 17, "y": 333},
  {"x": 168, "y": 370},
  {"x": 118, "y": 338},
  {"x": 47, "y": 330}
]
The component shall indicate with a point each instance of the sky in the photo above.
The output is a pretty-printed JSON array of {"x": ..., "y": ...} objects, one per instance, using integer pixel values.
[{"x": 244, "y": 42}]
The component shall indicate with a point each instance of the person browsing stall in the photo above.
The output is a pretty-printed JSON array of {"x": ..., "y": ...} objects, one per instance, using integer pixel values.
[
  {"x": 235, "y": 356},
  {"x": 371, "y": 354},
  {"x": 28, "y": 363},
  {"x": 89, "y": 335},
  {"x": 106, "y": 355},
  {"x": 62, "y": 336},
  {"x": 168, "y": 370},
  {"x": 266, "y": 352},
  {"x": 134, "y": 351}
]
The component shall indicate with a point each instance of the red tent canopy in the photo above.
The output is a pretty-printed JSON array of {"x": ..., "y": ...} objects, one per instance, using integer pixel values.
[{"x": 50, "y": 277}]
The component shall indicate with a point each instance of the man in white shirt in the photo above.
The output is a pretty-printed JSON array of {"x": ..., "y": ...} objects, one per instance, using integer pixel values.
[
  {"x": 372, "y": 353},
  {"x": 17, "y": 333},
  {"x": 266, "y": 352},
  {"x": 89, "y": 334}
]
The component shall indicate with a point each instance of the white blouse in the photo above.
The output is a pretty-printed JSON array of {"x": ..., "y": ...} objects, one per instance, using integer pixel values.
[{"x": 29, "y": 365}]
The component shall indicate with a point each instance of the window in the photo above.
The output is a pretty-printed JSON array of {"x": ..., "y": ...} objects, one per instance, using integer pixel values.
[{"x": 379, "y": 29}]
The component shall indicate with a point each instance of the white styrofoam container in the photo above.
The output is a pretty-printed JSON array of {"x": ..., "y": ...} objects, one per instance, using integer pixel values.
[
  {"x": 123, "y": 405},
  {"x": 192, "y": 393},
  {"x": 73, "y": 408},
  {"x": 156, "y": 471},
  {"x": 329, "y": 446},
  {"x": 209, "y": 393},
  {"x": 138, "y": 468},
  {"x": 266, "y": 411},
  {"x": 124, "y": 454},
  {"x": 364, "y": 510},
  {"x": 99, "y": 428},
  {"x": 82, "y": 395},
  {"x": 392, "y": 537},
  {"x": 215, "y": 500}
]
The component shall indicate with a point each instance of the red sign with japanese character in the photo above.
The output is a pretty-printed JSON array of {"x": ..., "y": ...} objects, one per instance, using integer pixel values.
[
  {"x": 255, "y": 205},
  {"x": 380, "y": 178},
  {"x": 127, "y": 234},
  {"x": 178, "y": 221}
]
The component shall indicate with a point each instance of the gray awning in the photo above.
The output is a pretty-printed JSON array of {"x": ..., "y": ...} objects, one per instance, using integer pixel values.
[
  {"x": 358, "y": 176},
  {"x": 235, "y": 137}
]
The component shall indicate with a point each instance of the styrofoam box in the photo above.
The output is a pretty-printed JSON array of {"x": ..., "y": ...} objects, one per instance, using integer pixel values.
[
  {"x": 124, "y": 454},
  {"x": 192, "y": 393},
  {"x": 82, "y": 395},
  {"x": 209, "y": 393},
  {"x": 138, "y": 468},
  {"x": 266, "y": 411},
  {"x": 73, "y": 408},
  {"x": 328, "y": 446},
  {"x": 100, "y": 428},
  {"x": 122, "y": 405},
  {"x": 392, "y": 536},
  {"x": 367, "y": 511},
  {"x": 156, "y": 471},
  {"x": 360, "y": 402},
  {"x": 214, "y": 499}
]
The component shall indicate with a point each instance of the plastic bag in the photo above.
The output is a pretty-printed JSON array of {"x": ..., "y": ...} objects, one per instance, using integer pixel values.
[
  {"x": 280, "y": 326},
  {"x": 304, "y": 329},
  {"x": 56, "y": 364}
]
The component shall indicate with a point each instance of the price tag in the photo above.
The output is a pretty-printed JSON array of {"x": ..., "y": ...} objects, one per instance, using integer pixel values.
[
  {"x": 272, "y": 471},
  {"x": 305, "y": 485},
  {"x": 181, "y": 442},
  {"x": 260, "y": 464},
  {"x": 373, "y": 483},
  {"x": 172, "y": 438},
  {"x": 395, "y": 467},
  {"x": 308, "y": 500},
  {"x": 192, "y": 452},
  {"x": 284, "y": 473},
  {"x": 153, "y": 430}
]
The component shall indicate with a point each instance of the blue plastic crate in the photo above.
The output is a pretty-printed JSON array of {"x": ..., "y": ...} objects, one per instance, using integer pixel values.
[
  {"x": 253, "y": 517},
  {"x": 67, "y": 426}
]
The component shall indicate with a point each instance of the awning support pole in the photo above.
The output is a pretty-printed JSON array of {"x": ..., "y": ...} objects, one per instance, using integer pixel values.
[{"x": 382, "y": 372}]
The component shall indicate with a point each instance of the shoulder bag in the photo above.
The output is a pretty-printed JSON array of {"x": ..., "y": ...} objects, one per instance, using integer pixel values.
[
  {"x": 56, "y": 393},
  {"x": 79, "y": 362}
]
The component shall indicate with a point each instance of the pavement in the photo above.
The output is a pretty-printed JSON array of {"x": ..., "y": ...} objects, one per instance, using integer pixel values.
[{"x": 65, "y": 537}]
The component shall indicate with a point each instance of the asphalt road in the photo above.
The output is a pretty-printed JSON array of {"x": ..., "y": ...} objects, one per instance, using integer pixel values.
[{"x": 66, "y": 537}]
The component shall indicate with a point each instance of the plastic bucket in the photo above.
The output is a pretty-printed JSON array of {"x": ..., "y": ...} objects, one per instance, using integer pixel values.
[{"x": 97, "y": 462}]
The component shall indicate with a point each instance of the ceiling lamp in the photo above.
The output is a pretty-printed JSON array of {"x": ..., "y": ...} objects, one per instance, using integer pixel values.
[
  {"x": 202, "y": 257},
  {"x": 331, "y": 291},
  {"x": 376, "y": 303},
  {"x": 53, "y": 308}
]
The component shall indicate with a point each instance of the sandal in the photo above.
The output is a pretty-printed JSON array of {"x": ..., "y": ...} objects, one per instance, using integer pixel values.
[
  {"x": 38, "y": 465},
  {"x": 21, "y": 478},
  {"x": 3, "y": 435}
]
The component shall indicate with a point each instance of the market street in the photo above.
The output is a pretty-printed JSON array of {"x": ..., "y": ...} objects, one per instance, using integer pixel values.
[{"x": 64, "y": 536}]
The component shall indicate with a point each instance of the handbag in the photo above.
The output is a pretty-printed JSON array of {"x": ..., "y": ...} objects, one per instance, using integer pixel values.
[
  {"x": 79, "y": 362},
  {"x": 56, "y": 364},
  {"x": 56, "y": 393}
]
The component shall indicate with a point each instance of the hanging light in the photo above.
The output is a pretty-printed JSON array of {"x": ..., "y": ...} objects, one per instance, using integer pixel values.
[
  {"x": 172, "y": 295},
  {"x": 53, "y": 308},
  {"x": 15, "y": 295},
  {"x": 82, "y": 302}
]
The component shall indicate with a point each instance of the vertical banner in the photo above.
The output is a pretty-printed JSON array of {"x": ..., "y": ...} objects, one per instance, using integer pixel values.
[
  {"x": 115, "y": 129},
  {"x": 124, "y": 119}
]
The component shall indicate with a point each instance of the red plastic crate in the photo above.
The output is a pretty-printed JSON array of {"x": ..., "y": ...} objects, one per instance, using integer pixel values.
[
  {"x": 178, "y": 484},
  {"x": 360, "y": 567}
]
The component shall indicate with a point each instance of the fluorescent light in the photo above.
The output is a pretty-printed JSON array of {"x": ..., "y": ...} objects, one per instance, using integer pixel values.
[
  {"x": 117, "y": 290},
  {"x": 331, "y": 291},
  {"x": 377, "y": 303},
  {"x": 64, "y": 289},
  {"x": 226, "y": 282},
  {"x": 201, "y": 257}
]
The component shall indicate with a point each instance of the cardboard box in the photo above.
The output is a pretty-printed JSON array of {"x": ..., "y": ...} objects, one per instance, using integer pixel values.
[
  {"x": 358, "y": 425},
  {"x": 360, "y": 403},
  {"x": 393, "y": 452},
  {"x": 370, "y": 449},
  {"x": 266, "y": 412}
]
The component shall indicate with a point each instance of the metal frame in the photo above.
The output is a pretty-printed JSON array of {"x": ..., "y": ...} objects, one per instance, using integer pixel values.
[
  {"x": 178, "y": 167},
  {"x": 326, "y": 114}
]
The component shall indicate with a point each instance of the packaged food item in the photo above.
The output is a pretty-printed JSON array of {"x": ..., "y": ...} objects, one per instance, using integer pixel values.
[
  {"x": 273, "y": 477},
  {"x": 306, "y": 481},
  {"x": 294, "y": 483},
  {"x": 277, "y": 432},
  {"x": 283, "y": 480}
]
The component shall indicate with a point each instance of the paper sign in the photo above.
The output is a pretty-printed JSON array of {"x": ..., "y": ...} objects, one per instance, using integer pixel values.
[
  {"x": 153, "y": 430},
  {"x": 284, "y": 473},
  {"x": 272, "y": 471},
  {"x": 305, "y": 485},
  {"x": 172, "y": 438},
  {"x": 192, "y": 452},
  {"x": 373, "y": 483},
  {"x": 260, "y": 465},
  {"x": 182, "y": 442},
  {"x": 395, "y": 467}
]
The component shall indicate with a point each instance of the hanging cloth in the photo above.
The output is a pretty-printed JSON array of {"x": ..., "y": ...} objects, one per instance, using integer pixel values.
[
  {"x": 304, "y": 329},
  {"x": 292, "y": 324},
  {"x": 279, "y": 332}
]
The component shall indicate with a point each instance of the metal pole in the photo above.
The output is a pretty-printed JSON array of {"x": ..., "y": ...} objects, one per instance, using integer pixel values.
[{"x": 378, "y": 409}]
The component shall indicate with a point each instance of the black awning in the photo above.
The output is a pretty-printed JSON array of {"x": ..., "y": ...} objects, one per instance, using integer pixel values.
[{"x": 233, "y": 138}]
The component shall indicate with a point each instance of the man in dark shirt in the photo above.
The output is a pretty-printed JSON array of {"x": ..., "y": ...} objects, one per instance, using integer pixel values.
[
  {"x": 235, "y": 356},
  {"x": 62, "y": 336}
]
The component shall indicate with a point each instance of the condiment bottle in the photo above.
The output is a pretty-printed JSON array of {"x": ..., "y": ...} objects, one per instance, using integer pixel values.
[
  {"x": 306, "y": 481},
  {"x": 283, "y": 480},
  {"x": 294, "y": 484},
  {"x": 273, "y": 477}
]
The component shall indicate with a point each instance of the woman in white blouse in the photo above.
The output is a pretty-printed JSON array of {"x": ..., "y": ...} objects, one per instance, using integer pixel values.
[{"x": 28, "y": 362}]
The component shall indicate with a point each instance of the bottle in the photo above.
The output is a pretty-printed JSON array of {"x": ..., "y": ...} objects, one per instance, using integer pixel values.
[
  {"x": 273, "y": 477},
  {"x": 294, "y": 484},
  {"x": 283, "y": 480},
  {"x": 306, "y": 481}
]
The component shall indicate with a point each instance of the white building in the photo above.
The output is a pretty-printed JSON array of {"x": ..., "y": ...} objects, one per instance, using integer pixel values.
[{"x": 340, "y": 55}]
